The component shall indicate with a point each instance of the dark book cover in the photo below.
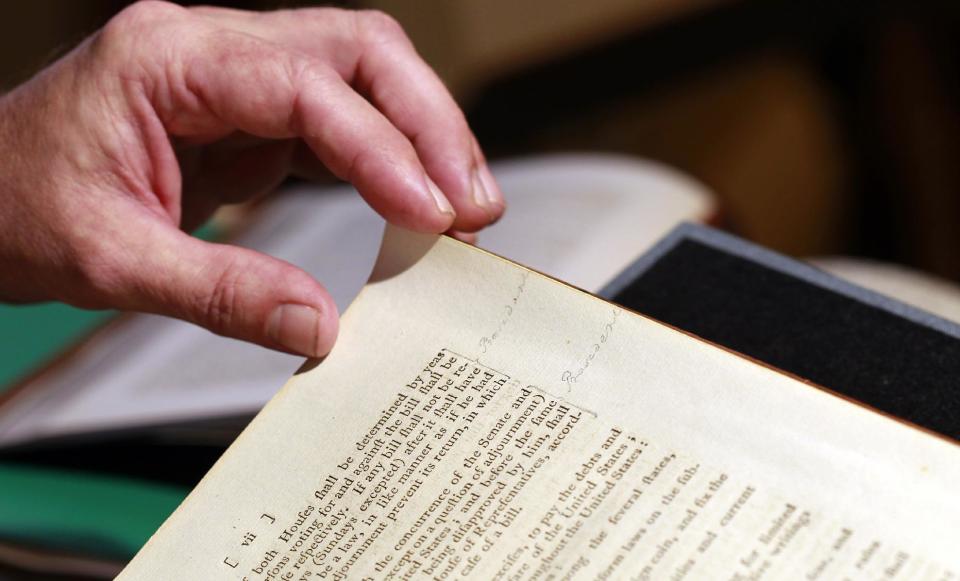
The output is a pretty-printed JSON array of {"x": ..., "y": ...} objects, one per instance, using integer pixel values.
[{"x": 888, "y": 355}]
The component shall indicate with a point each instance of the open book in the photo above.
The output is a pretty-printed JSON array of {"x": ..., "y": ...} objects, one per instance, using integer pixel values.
[
  {"x": 151, "y": 378},
  {"x": 477, "y": 419}
]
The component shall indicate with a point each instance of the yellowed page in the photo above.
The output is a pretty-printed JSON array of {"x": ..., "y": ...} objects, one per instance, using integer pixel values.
[{"x": 478, "y": 420}]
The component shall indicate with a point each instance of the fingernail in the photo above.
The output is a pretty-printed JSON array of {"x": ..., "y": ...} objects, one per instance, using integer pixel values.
[
  {"x": 439, "y": 199},
  {"x": 494, "y": 195},
  {"x": 296, "y": 327},
  {"x": 480, "y": 196}
]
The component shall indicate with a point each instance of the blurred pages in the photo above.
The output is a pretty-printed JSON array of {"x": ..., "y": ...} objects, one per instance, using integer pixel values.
[{"x": 477, "y": 419}]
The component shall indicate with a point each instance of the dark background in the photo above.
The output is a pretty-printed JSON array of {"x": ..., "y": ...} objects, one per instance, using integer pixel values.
[{"x": 823, "y": 127}]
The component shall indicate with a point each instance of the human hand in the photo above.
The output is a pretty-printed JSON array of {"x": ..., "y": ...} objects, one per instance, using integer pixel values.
[{"x": 166, "y": 113}]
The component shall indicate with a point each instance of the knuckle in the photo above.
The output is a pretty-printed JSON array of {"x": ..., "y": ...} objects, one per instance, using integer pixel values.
[
  {"x": 150, "y": 11},
  {"x": 137, "y": 17},
  {"x": 376, "y": 26},
  {"x": 221, "y": 306},
  {"x": 129, "y": 28},
  {"x": 98, "y": 268},
  {"x": 323, "y": 16},
  {"x": 356, "y": 166},
  {"x": 300, "y": 70},
  {"x": 376, "y": 163}
]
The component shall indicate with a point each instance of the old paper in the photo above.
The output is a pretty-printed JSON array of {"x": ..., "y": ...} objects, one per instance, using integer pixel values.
[{"x": 479, "y": 420}]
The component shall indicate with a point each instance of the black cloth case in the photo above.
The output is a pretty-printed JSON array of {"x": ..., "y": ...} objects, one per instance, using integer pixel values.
[{"x": 896, "y": 358}]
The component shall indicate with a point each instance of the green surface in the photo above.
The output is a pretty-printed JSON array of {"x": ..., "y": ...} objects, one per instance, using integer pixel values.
[
  {"x": 80, "y": 512},
  {"x": 90, "y": 514},
  {"x": 32, "y": 334}
]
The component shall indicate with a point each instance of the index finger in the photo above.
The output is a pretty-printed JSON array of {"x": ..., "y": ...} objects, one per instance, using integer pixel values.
[
  {"x": 216, "y": 80},
  {"x": 370, "y": 50}
]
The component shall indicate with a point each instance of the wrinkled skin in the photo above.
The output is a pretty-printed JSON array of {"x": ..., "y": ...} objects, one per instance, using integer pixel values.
[{"x": 142, "y": 131}]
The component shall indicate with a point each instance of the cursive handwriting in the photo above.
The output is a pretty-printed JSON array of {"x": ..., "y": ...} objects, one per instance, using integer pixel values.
[
  {"x": 487, "y": 341},
  {"x": 571, "y": 377}
]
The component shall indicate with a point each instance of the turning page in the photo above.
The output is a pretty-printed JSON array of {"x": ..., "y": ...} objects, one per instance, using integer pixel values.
[{"x": 479, "y": 420}]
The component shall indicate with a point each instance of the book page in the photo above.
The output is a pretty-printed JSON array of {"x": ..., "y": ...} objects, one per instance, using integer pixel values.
[{"x": 479, "y": 420}]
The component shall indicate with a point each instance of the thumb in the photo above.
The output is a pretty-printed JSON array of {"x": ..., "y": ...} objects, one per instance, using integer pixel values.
[{"x": 235, "y": 292}]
